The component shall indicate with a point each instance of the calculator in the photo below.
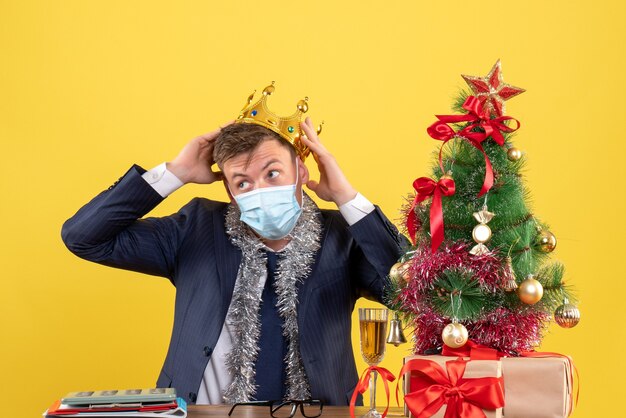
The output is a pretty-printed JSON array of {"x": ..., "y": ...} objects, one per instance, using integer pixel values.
[{"x": 158, "y": 395}]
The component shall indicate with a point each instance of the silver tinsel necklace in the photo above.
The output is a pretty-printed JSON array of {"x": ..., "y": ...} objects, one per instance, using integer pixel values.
[{"x": 294, "y": 265}]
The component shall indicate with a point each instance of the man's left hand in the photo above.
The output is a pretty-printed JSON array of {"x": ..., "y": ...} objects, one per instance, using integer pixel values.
[{"x": 333, "y": 185}]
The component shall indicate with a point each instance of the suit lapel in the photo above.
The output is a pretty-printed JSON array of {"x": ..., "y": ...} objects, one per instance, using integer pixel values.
[{"x": 227, "y": 257}]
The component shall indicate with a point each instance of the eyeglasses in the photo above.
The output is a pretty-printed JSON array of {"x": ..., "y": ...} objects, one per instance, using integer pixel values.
[{"x": 309, "y": 408}]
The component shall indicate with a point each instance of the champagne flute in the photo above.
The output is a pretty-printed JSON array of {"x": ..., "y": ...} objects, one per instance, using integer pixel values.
[{"x": 373, "y": 327}]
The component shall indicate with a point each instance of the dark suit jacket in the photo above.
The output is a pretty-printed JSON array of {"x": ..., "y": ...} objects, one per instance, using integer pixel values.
[{"x": 192, "y": 249}]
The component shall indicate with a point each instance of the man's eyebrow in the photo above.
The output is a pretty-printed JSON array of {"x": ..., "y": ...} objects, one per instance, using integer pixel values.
[{"x": 270, "y": 162}]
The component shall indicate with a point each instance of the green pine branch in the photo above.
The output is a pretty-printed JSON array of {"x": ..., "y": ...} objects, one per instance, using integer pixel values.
[{"x": 457, "y": 294}]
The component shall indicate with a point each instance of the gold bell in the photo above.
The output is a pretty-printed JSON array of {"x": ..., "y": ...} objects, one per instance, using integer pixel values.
[{"x": 396, "y": 336}]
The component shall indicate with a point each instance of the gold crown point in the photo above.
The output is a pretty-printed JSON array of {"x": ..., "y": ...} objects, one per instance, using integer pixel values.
[
  {"x": 303, "y": 106},
  {"x": 267, "y": 91},
  {"x": 250, "y": 98},
  {"x": 319, "y": 128},
  {"x": 288, "y": 127}
]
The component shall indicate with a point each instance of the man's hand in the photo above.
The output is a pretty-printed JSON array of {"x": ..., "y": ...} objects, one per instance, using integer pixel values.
[
  {"x": 333, "y": 185},
  {"x": 193, "y": 163}
]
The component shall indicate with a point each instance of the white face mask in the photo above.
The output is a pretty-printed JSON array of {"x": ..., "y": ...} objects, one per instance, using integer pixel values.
[{"x": 272, "y": 212}]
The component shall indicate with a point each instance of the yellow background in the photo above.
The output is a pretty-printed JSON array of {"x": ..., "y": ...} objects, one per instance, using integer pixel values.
[{"x": 89, "y": 87}]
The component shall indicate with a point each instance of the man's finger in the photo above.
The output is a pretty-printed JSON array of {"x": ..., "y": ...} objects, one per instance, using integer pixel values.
[
  {"x": 210, "y": 136},
  {"x": 316, "y": 158},
  {"x": 306, "y": 128},
  {"x": 310, "y": 133},
  {"x": 315, "y": 147}
]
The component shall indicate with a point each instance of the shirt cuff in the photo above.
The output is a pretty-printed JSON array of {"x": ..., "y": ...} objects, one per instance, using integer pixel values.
[
  {"x": 356, "y": 209},
  {"x": 163, "y": 181}
]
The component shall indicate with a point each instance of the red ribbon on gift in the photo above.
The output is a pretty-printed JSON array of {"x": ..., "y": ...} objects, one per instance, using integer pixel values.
[
  {"x": 432, "y": 388},
  {"x": 477, "y": 117},
  {"x": 364, "y": 384},
  {"x": 474, "y": 351},
  {"x": 426, "y": 187}
]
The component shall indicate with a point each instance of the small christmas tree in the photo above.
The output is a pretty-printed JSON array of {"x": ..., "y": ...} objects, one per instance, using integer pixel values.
[{"x": 478, "y": 265}]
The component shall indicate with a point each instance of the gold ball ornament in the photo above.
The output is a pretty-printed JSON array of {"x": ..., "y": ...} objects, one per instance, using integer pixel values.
[
  {"x": 454, "y": 335},
  {"x": 514, "y": 154},
  {"x": 546, "y": 241},
  {"x": 399, "y": 272},
  {"x": 530, "y": 291},
  {"x": 567, "y": 315}
]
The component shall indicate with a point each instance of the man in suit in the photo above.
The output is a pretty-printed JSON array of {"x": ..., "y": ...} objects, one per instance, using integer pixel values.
[{"x": 266, "y": 283}]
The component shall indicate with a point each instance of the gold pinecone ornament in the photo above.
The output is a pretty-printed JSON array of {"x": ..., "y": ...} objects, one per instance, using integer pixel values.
[{"x": 509, "y": 282}]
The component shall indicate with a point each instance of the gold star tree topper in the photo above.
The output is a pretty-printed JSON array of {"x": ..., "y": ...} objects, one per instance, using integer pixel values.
[{"x": 491, "y": 90}]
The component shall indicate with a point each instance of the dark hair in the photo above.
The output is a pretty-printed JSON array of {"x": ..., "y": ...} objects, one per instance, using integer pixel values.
[{"x": 243, "y": 138}]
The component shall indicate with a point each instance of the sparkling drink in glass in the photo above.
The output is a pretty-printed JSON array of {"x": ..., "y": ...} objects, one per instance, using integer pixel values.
[{"x": 373, "y": 328}]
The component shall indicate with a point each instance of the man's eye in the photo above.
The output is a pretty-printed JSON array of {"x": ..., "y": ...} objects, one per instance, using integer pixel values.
[
  {"x": 243, "y": 185},
  {"x": 273, "y": 174}
]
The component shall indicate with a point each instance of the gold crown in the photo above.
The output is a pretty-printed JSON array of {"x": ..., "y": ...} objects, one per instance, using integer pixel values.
[{"x": 287, "y": 127}]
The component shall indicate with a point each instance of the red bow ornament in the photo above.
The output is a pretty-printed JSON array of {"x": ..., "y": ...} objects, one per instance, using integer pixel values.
[
  {"x": 426, "y": 187},
  {"x": 476, "y": 118},
  {"x": 364, "y": 384},
  {"x": 432, "y": 388}
]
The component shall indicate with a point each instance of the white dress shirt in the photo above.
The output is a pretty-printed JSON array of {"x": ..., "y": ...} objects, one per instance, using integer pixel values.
[{"x": 216, "y": 377}]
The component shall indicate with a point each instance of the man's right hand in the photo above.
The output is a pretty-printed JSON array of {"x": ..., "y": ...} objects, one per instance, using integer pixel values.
[{"x": 193, "y": 163}]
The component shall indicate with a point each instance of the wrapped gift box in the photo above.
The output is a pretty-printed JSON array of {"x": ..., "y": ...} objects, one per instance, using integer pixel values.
[
  {"x": 474, "y": 369},
  {"x": 534, "y": 387},
  {"x": 537, "y": 387}
]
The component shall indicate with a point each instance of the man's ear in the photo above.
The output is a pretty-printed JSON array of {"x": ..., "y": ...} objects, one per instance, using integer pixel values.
[{"x": 303, "y": 170}]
